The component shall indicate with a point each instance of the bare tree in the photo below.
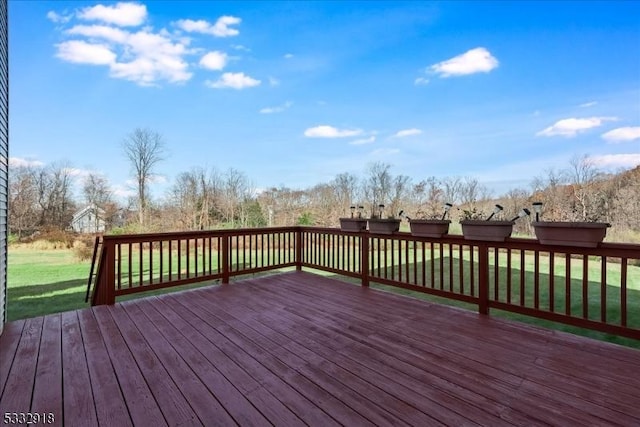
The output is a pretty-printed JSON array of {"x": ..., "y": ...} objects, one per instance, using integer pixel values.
[
  {"x": 23, "y": 199},
  {"x": 193, "y": 197},
  {"x": 584, "y": 177},
  {"x": 452, "y": 188},
  {"x": 96, "y": 190},
  {"x": 144, "y": 148},
  {"x": 345, "y": 188},
  {"x": 378, "y": 184},
  {"x": 54, "y": 196},
  {"x": 97, "y": 193}
]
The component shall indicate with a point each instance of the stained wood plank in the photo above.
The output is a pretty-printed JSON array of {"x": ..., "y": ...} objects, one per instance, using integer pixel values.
[
  {"x": 545, "y": 378},
  {"x": 247, "y": 373},
  {"x": 111, "y": 409},
  {"x": 300, "y": 349},
  {"x": 204, "y": 399},
  {"x": 444, "y": 414},
  {"x": 142, "y": 406},
  {"x": 299, "y": 397},
  {"x": 21, "y": 377},
  {"x": 47, "y": 391},
  {"x": 170, "y": 400},
  {"x": 79, "y": 408},
  {"x": 9, "y": 341},
  {"x": 602, "y": 412}
]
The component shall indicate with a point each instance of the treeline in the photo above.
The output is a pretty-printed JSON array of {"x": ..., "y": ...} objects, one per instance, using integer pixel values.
[{"x": 42, "y": 197}]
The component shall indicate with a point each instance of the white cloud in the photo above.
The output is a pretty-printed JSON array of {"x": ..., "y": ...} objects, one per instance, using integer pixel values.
[
  {"x": 240, "y": 47},
  {"x": 144, "y": 57},
  {"x": 288, "y": 55},
  {"x": 233, "y": 81},
  {"x": 478, "y": 60},
  {"x": 363, "y": 141},
  {"x": 220, "y": 29},
  {"x": 325, "y": 131},
  {"x": 81, "y": 52},
  {"x": 105, "y": 32},
  {"x": 421, "y": 81},
  {"x": 571, "y": 127},
  {"x": 588, "y": 104},
  {"x": 623, "y": 134},
  {"x": 57, "y": 18},
  {"x": 214, "y": 60},
  {"x": 279, "y": 109},
  {"x": 156, "y": 57},
  {"x": 122, "y": 14},
  {"x": 407, "y": 132},
  {"x": 616, "y": 160},
  {"x": 18, "y": 162}
]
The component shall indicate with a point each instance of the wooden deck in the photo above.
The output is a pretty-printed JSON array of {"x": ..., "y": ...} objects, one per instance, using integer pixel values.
[{"x": 300, "y": 349}]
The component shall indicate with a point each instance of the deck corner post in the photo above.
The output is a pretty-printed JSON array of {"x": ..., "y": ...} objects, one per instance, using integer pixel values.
[
  {"x": 109, "y": 284},
  {"x": 298, "y": 249},
  {"x": 364, "y": 258},
  {"x": 225, "y": 259},
  {"x": 483, "y": 278}
]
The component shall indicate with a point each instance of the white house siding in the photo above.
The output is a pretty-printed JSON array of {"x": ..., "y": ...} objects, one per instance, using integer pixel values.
[{"x": 4, "y": 156}]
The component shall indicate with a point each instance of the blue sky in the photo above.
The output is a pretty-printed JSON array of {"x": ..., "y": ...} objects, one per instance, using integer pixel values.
[{"x": 295, "y": 93}]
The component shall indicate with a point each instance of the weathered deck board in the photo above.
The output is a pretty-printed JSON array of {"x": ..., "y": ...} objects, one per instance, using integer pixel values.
[{"x": 299, "y": 349}]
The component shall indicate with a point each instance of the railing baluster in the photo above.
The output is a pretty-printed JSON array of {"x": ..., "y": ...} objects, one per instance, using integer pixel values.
[
  {"x": 415, "y": 263},
  {"x": 567, "y": 284},
  {"x": 460, "y": 269},
  {"x": 603, "y": 289},
  {"x": 623, "y": 292},
  {"x": 119, "y": 263},
  {"x": 472, "y": 270},
  {"x": 141, "y": 266},
  {"x": 585, "y": 287},
  {"x": 433, "y": 266},
  {"x": 508, "y": 276},
  {"x": 161, "y": 263},
  {"x": 552, "y": 281},
  {"x": 441, "y": 250},
  {"x": 450, "y": 267},
  {"x": 523, "y": 255},
  {"x": 536, "y": 280},
  {"x": 496, "y": 275}
]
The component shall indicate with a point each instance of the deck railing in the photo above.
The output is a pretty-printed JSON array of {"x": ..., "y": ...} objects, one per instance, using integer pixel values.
[{"x": 594, "y": 288}]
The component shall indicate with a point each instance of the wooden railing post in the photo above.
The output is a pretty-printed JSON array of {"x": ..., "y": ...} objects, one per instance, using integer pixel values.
[
  {"x": 107, "y": 276},
  {"x": 364, "y": 258},
  {"x": 226, "y": 267},
  {"x": 483, "y": 278},
  {"x": 298, "y": 249}
]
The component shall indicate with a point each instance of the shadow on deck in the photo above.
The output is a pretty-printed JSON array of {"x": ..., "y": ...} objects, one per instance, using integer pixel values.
[{"x": 301, "y": 349}]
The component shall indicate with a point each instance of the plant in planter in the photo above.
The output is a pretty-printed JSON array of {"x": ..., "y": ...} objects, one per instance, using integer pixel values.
[
  {"x": 381, "y": 225},
  {"x": 434, "y": 225},
  {"x": 354, "y": 223},
  {"x": 568, "y": 233},
  {"x": 474, "y": 227}
]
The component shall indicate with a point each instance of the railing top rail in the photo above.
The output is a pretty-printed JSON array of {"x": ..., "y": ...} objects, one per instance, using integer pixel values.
[
  {"x": 175, "y": 235},
  {"x": 518, "y": 243}
]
